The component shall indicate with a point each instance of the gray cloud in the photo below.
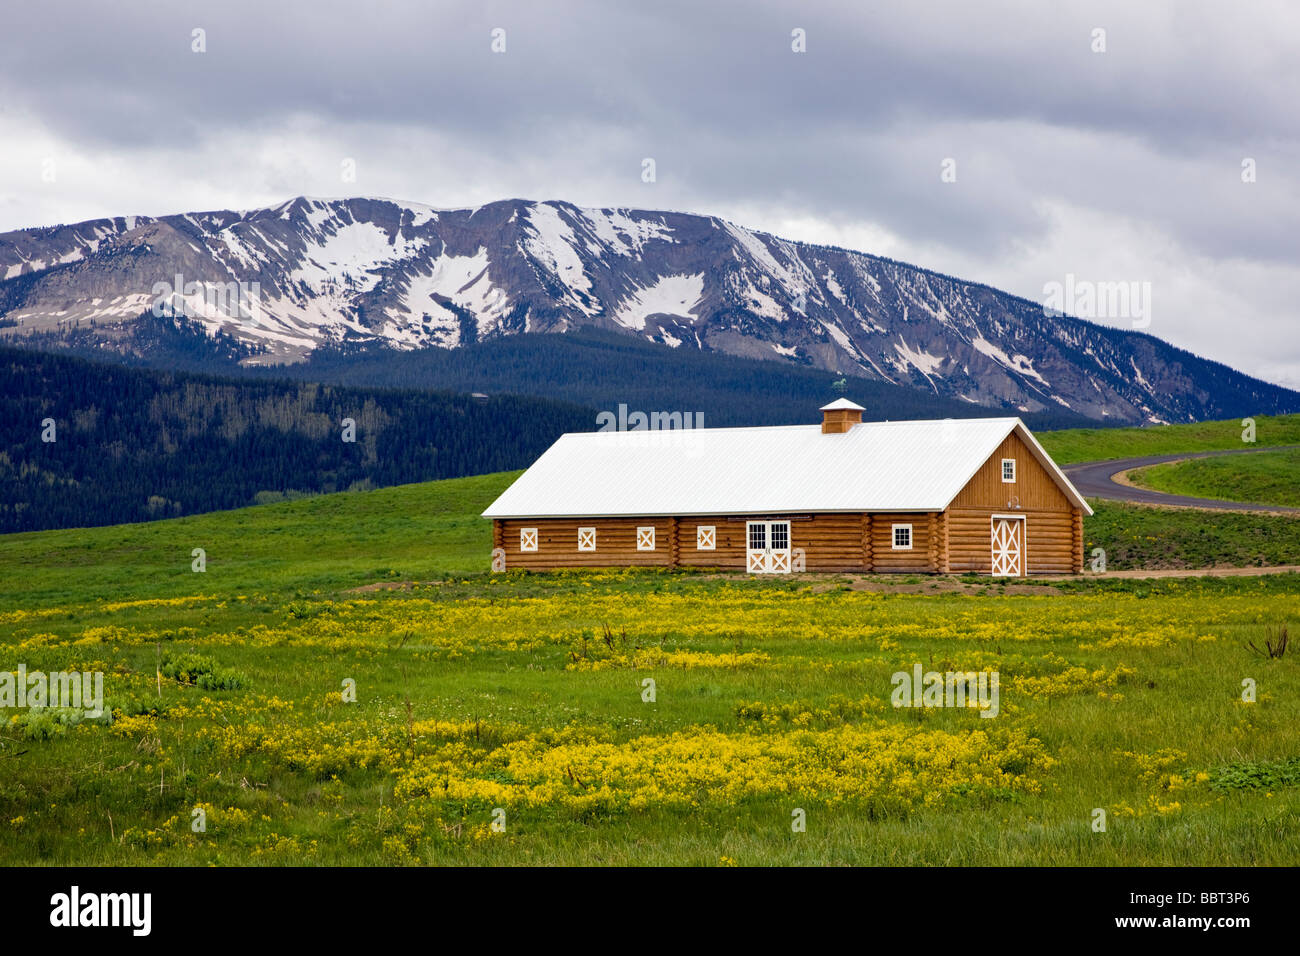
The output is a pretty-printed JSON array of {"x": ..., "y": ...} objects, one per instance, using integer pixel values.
[{"x": 1121, "y": 165}]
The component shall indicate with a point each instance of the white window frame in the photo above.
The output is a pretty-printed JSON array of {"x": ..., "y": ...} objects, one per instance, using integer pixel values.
[
  {"x": 706, "y": 537},
  {"x": 587, "y": 539},
  {"x": 893, "y": 537},
  {"x": 1012, "y": 463},
  {"x": 527, "y": 539},
  {"x": 645, "y": 538}
]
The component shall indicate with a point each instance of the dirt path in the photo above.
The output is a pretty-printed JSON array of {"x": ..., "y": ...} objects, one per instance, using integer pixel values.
[
  {"x": 1187, "y": 573},
  {"x": 1108, "y": 479}
]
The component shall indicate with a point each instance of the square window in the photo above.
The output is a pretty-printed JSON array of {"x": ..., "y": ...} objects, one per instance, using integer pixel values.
[
  {"x": 706, "y": 537},
  {"x": 586, "y": 539},
  {"x": 1008, "y": 470},
  {"x": 780, "y": 531},
  {"x": 902, "y": 537},
  {"x": 645, "y": 538},
  {"x": 527, "y": 539}
]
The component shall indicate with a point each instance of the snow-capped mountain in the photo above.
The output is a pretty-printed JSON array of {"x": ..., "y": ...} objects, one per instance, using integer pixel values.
[{"x": 373, "y": 273}]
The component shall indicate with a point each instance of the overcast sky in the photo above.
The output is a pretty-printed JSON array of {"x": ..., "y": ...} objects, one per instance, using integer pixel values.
[{"x": 1123, "y": 165}]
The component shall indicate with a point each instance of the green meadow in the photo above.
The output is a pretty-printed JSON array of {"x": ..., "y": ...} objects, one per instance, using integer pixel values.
[
  {"x": 345, "y": 683},
  {"x": 1267, "y": 477},
  {"x": 1072, "y": 445}
]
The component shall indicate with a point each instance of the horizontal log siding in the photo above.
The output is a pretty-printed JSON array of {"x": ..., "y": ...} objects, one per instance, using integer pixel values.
[
  {"x": 730, "y": 541},
  {"x": 883, "y": 555},
  {"x": 830, "y": 542},
  {"x": 1077, "y": 540},
  {"x": 557, "y": 543},
  {"x": 1049, "y": 544}
]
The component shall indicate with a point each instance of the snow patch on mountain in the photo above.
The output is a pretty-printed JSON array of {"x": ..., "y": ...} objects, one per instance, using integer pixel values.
[
  {"x": 760, "y": 303},
  {"x": 1019, "y": 363},
  {"x": 352, "y": 257},
  {"x": 1138, "y": 372},
  {"x": 553, "y": 244},
  {"x": 841, "y": 338},
  {"x": 623, "y": 234},
  {"x": 918, "y": 358},
  {"x": 792, "y": 280},
  {"x": 670, "y": 295},
  {"x": 834, "y": 287},
  {"x": 467, "y": 282},
  {"x": 435, "y": 325},
  {"x": 246, "y": 256},
  {"x": 421, "y": 215}
]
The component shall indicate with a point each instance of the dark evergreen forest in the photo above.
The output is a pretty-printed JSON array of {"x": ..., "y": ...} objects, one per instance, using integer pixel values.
[{"x": 133, "y": 444}]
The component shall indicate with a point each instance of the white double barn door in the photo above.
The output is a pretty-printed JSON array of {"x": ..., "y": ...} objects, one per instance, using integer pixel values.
[
  {"x": 767, "y": 547},
  {"x": 1008, "y": 546}
]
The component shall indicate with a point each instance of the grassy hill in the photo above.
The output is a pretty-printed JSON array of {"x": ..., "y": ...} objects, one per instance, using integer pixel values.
[
  {"x": 1269, "y": 477},
  {"x": 421, "y": 531},
  {"x": 1068, "y": 446},
  {"x": 1137, "y": 537},
  {"x": 432, "y": 530}
]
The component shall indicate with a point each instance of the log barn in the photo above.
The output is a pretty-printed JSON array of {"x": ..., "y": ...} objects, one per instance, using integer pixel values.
[{"x": 950, "y": 496}]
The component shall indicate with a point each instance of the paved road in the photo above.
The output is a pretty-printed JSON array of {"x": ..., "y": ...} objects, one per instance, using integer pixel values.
[{"x": 1093, "y": 479}]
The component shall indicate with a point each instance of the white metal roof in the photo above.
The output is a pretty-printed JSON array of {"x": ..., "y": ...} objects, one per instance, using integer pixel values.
[{"x": 788, "y": 469}]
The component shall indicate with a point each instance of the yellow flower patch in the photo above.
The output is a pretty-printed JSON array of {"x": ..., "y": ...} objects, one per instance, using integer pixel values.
[
  {"x": 1075, "y": 680},
  {"x": 650, "y": 658},
  {"x": 892, "y": 768}
]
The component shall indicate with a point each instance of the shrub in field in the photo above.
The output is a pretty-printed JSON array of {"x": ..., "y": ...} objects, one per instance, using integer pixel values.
[
  {"x": 201, "y": 671},
  {"x": 136, "y": 706},
  {"x": 1256, "y": 775},
  {"x": 46, "y": 723},
  {"x": 303, "y": 610}
]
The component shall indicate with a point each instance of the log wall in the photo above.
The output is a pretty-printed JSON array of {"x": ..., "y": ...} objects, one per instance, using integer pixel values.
[{"x": 830, "y": 542}]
